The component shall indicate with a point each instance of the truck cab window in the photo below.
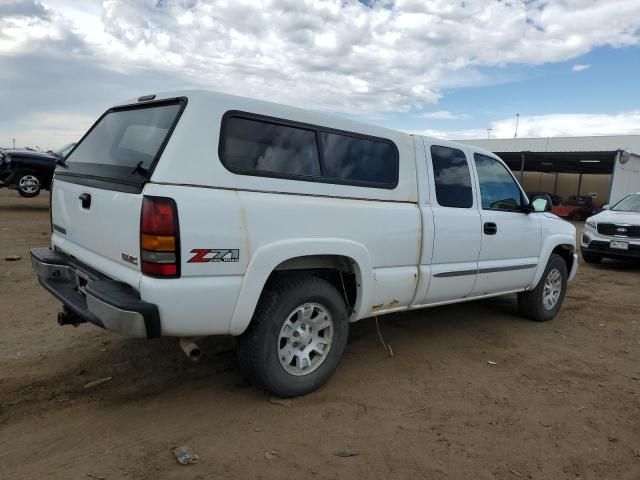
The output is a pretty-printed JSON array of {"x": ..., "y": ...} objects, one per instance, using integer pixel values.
[
  {"x": 452, "y": 177},
  {"x": 498, "y": 189}
]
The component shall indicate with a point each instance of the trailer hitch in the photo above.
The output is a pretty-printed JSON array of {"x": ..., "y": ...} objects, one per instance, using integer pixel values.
[{"x": 67, "y": 317}]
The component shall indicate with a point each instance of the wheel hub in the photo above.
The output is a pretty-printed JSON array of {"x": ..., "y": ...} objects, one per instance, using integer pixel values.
[
  {"x": 552, "y": 289},
  {"x": 305, "y": 339},
  {"x": 29, "y": 184}
]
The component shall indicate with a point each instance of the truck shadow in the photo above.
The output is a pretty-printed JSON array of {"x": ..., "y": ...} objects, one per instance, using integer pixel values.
[
  {"x": 131, "y": 370},
  {"x": 138, "y": 369}
]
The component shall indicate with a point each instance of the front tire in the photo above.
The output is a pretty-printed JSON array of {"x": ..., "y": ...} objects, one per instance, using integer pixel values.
[
  {"x": 543, "y": 302},
  {"x": 296, "y": 338},
  {"x": 29, "y": 185}
]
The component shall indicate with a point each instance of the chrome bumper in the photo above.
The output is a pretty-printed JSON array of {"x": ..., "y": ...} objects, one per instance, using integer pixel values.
[{"x": 93, "y": 297}]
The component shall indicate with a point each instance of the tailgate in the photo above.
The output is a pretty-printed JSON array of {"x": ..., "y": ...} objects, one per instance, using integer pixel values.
[{"x": 99, "y": 227}]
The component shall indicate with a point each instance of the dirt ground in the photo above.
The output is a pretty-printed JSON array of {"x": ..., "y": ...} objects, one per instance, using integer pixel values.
[{"x": 562, "y": 400}]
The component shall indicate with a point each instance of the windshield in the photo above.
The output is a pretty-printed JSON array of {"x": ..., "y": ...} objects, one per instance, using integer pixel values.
[
  {"x": 62, "y": 152},
  {"x": 628, "y": 204},
  {"x": 127, "y": 137}
]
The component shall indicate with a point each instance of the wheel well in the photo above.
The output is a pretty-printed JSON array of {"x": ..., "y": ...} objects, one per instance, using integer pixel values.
[
  {"x": 26, "y": 171},
  {"x": 566, "y": 252},
  {"x": 340, "y": 271}
]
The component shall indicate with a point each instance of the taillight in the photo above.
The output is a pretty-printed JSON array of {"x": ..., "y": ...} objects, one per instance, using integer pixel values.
[{"x": 159, "y": 237}]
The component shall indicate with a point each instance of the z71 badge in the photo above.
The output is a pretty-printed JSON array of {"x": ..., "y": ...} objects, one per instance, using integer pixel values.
[{"x": 205, "y": 255}]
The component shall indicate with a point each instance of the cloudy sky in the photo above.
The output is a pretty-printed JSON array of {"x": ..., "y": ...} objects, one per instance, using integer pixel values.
[{"x": 449, "y": 68}]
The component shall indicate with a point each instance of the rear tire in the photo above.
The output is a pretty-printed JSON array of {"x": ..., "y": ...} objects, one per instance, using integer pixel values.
[
  {"x": 591, "y": 258},
  {"x": 543, "y": 302},
  {"x": 296, "y": 338}
]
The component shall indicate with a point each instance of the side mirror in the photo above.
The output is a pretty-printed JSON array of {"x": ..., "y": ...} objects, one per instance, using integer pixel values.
[
  {"x": 606, "y": 207},
  {"x": 540, "y": 202}
]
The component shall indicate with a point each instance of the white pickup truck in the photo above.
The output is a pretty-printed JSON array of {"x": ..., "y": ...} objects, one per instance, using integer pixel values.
[{"x": 195, "y": 213}]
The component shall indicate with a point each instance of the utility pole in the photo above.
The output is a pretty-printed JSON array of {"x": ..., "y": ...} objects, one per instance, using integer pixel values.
[
  {"x": 517, "y": 121},
  {"x": 14, "y": 143},
  {"x": 489, "y": 130}
]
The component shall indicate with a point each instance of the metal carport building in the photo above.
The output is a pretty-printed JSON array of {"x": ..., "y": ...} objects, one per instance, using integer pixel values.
[{"x": 558, "y": 164}]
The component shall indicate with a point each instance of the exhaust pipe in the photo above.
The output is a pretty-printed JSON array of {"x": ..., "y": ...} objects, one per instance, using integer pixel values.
[
  {"x": 67, "y": 317},
  {"x": 190, "y": 348}
]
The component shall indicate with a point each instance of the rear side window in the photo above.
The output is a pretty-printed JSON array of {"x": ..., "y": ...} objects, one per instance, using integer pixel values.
[
  {"x": 257, "y": 146},
  {"x": 358, "y": 159},
  {"x": 127, "y": 137},
  {"x": 452, "y": 177}
]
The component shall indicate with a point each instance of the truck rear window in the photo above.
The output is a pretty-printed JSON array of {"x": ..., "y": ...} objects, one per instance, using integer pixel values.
[
  {"x": 124, "y": 138},
  {"x": 127, "y": 137}
]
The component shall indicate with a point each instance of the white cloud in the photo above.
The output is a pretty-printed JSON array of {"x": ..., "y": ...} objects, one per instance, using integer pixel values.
[
  {"x": 554, "y": 125},
  {"x": 580, "y": 67},
  {"x": 442, "y": 115},
  {"x": 47, "y": 130},
  {"x": 567, "y": 124},
  {"x": 334, "y": 55},
  {"x": 19, "y": 32}
]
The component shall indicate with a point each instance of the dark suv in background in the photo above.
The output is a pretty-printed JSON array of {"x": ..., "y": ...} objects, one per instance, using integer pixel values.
[{"x": 29, "y": 171}]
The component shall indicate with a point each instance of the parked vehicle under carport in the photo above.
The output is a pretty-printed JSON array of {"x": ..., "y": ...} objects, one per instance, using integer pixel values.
[
  {"x": 576, "y": 208},
  {"x": 29, "y": 171}
]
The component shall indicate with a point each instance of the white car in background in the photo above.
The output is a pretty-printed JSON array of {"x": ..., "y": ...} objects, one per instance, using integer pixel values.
[{"x": 614, "y": 232}]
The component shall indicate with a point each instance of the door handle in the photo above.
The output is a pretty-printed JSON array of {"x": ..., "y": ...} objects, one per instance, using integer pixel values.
[
  {"x": 85, "y": 198},
  {"x": 490, "y": 228}
]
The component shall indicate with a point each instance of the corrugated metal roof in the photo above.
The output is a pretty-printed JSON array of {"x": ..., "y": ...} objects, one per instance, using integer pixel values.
[{"x": 559, "y": 144}]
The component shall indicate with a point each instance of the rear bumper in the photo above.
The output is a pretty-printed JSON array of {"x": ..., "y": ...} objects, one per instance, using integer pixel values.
[{"x": 94, "y": 297}]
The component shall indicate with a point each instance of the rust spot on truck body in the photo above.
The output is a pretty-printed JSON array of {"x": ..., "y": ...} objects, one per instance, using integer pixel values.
[{"x": 380, "y": 306}]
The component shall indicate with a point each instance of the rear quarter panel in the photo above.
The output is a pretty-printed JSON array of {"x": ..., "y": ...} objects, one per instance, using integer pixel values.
[{"x": 266, "y": 229}]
